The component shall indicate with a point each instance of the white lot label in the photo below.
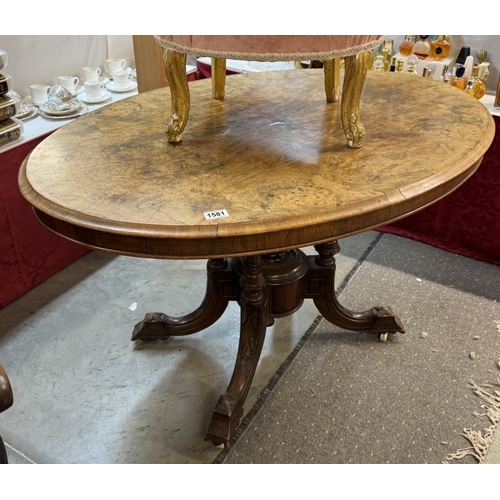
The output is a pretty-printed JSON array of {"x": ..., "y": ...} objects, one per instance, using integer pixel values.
[{"x": 215, "y": 214}]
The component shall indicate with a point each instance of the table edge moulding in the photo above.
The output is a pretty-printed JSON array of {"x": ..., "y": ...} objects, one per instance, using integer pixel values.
[{"x": 270, "y": 162}]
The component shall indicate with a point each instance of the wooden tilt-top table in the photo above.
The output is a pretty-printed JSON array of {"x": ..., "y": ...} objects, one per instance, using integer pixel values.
[{"x": 272, "y": 158}]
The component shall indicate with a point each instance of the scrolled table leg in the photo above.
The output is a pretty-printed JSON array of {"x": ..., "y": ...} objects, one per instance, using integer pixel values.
[
  {"x": 255, "y": 312},
  {"x": 321, "y": 288},
  {"x": 222, "y": 286}
]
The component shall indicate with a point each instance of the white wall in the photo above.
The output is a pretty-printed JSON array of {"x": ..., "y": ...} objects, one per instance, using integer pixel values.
[{"x": 42, "y": 58}]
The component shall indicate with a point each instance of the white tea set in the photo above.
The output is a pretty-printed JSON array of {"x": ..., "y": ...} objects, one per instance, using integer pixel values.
[
  {"x": 56, "y": 102},
  {"x": 66, "y": 100},
  {"x": 121, "y": 77}
]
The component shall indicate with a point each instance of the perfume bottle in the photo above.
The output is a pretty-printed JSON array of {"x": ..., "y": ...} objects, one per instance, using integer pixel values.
[
  {"x": 446, "y": 76},
  {"x": 457, "y": 78},
  {"x": 389, "y": 46},
  {"x": 463, "y": 54},
  {"x": 484, "y": 72},
  {"x": 399, "y": 65},
  {"x": 481, "y": 56},
  {"x": 386, "y": 58},
  {"x": 406, "y": 46},
  {"x": 422, "y": 47},
  {"x": 411, "y": 64},
  {"x": 427, "y": 73},
  {"x": 474, "y": 85},
  {"x": 378, "y": 64},
  {"x": 440, "y": 47},
  {"x": 392, "y": 67}
]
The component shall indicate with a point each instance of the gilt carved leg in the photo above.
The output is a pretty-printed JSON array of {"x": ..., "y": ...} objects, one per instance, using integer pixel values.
[
  {"x": 255, "y": 311},
  {"x": 331, "y": 68},
  {"x": 222, "y": 286},
  {"x": 354, "y": 78},
  {"x": 218, "y": 78},
  {"x": 321, "y": 288},
  {"x": 175, "y": 70}
]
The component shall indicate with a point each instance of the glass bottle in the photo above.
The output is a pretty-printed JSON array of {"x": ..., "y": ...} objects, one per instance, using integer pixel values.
[
  {"x": 386, "y": 58},
  {"x": 422, "y": 47},
  {"x": 474, "y": 85},
  {"x": 392, "y": 67},
  {"x": 399, "y": 65},
  {"x": 457, "y": 78},
  {"x": 387, "y": 51},
  {"x": 440, "y": 47},
  {"x": 406, "y": 46},
  {"x": 378, "y": 64},
  {"x": 446, "y": 76},
  {"x": 427, "y": 73},
  {"x": 411, "y": 64},
  {"x": 481, "y": 56},
  {"x": 484, "y": 72}
]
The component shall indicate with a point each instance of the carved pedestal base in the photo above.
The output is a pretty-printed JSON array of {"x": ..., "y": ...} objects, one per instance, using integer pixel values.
[{"x": 266, "y": 287}]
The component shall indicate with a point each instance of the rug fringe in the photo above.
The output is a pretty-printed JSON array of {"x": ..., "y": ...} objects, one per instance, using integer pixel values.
[{"x": 481, "y": 440}]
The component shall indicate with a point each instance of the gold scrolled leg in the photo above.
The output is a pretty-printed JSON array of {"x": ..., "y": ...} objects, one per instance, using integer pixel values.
[
  {"x": 218, "y": 78},
  {"x": 331, "y": 69},
  {"x": 175, "y": 70},
  {"x": 354, "y": 79}
]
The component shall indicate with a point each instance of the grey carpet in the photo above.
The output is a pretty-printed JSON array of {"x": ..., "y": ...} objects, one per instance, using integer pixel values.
[{"x": 346, "y": 397}]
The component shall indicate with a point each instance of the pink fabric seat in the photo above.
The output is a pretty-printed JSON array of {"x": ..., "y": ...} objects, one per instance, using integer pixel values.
[{"x": 355, "y": 49}]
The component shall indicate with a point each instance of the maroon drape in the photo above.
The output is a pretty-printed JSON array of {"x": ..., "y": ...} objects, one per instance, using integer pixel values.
[
  {"x": 467, "y": 221},
  {"x": 29, "y": 253}
]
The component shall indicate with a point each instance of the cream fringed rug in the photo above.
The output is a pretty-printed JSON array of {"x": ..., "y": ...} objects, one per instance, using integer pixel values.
[
  {"x": 431, "y": 395},
  {"x": 483, "y": 443}
]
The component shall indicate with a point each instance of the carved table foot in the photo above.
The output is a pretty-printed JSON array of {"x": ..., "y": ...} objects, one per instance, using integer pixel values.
[
  {"x": 321, "y": 288},
  {"x": 222, "y": 286}
]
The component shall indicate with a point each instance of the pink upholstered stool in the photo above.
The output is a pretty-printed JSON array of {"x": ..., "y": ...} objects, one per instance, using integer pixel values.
[{"x": 356, "y": 50}]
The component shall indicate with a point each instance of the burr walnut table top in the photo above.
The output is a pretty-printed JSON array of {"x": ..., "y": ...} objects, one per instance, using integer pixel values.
[{"x": 272, "y": 154}]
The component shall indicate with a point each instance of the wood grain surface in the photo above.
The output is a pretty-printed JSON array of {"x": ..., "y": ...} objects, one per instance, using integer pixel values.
[{"x": 272, "y": 154}]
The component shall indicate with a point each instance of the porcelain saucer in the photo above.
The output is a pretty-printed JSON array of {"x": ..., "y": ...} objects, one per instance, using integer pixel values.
[
  {"x": 27, "y": 112},
  {"x": 83, "y": 97},
  {"x": 72, "y": 107},
  {"x": 77, "y": 112},
  {"x": 111, "y": 86}
]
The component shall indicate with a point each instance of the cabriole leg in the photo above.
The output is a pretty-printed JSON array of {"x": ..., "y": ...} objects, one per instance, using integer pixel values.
[
  {"x": 175, "y": 70},
  {"x": 354, "y": 79},
  {"x": 331, "y": 68}
]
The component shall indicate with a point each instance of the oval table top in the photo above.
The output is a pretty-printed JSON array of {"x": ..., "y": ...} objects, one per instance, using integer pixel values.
[{"x": 272, "y": 154}]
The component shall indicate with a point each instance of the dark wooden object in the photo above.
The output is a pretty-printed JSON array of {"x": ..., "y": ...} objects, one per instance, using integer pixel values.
[
  {"x": 6, "y": 401},
  {"x": 283, "y": 173}
]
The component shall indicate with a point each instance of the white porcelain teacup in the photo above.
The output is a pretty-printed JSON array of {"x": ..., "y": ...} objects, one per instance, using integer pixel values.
[
  {"x": 68, "y": 82},
  {"x": 91, "y": 73},
  {"x": 121, "y": 79},
  {"x": 39, "y": 93},
  {"x": 115, "y": 65},
  {"x": 93, "y": 89},
  {"x": 60, "y": 96}
]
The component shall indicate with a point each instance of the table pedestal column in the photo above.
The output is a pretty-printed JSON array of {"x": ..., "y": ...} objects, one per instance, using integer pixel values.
[{"x": 266, "y": 287}]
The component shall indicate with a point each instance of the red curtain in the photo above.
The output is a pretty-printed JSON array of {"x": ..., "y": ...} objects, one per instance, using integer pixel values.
[
  {"x": 29, "y": 253},
  {"x": 467, "y": 221}
]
